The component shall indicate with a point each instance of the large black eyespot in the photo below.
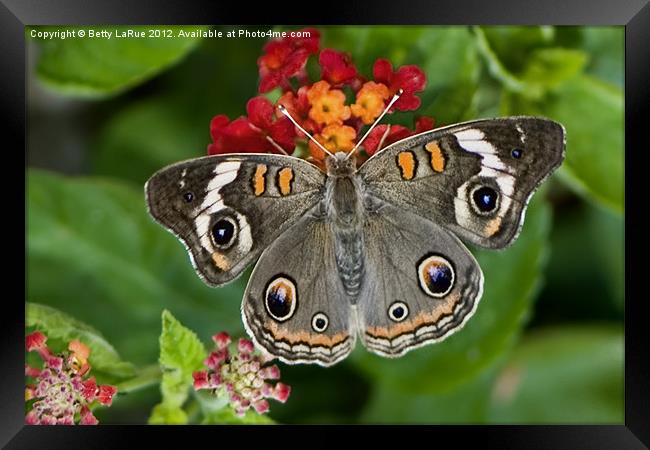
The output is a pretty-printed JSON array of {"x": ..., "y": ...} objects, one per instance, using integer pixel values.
[
  {"x": 485, "y": 199},
  {"x": 517, "y": 153},
  {"x": 398, "y": 311},
  {"x": 281, "y": 298},
  {"x": 188, "y": 197},
  {"x": 224, "y": 232},
  {"x": 436, "y": 276}
]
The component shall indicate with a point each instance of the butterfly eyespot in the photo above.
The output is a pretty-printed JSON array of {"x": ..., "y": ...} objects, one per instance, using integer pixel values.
[
  {"x": 188, "y": 197},
  {"x": 517, "y": 153},
  {"x": 398, "y": 311},
  {"x": 436, "y": 276},
  {"x": 224, "y": 232},
  {"x": 320, "y": 322},
  {"x": 281, "y": 299},
  {"x": 485, "y": 199}
]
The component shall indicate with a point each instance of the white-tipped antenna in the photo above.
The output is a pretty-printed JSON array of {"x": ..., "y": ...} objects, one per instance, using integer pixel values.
[
  {"x": 392, "y": 101},
  {"x": 284, "y": 111}
]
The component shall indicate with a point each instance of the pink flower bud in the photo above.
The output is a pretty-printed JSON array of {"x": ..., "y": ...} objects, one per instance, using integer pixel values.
[
  {"x": 222, "y": 340},
  {"x": 270, "y": 372},
  {"x": 245, "y": 346},
  {"x": 200, "y": 379},
  {"x": 281, "y": 392},
  {"x": 261, "y": 406}
]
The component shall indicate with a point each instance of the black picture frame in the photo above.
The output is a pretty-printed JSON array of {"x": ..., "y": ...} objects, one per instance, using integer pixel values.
[{"x": 633, "y": 14}]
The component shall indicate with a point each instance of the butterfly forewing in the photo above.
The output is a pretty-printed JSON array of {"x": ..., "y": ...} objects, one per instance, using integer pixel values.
[
  {"x": 227, "y": 209},
  {"x": 473, "y": 178}
]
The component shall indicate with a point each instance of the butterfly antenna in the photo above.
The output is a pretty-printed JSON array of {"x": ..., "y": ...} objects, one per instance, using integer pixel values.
[
  {"x": 284, "y": 111},
  {"x": 390, "y": 104}
]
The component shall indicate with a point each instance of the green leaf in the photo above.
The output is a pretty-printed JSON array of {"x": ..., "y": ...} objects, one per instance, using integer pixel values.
[
  {"x": 56, "y": 324},
  {"x": 227, "y": 416},
  {"x": 467, "y": 403},
  {"x": 606, "y": 47},
  {"x": 181, "y": 353},
  {"x": 165, "y": 414},
  {"x": 512, "y": 45},
  {"x": 97, "y": 67},
  {"x": 512, "y": 277},
  {"x": 592, "y": 113},
  {"x": 180, "y": 348},
  {"x": 550, "y": 67},
  {"x": 571, "y": 374},
  {"x": 538, "y": 69},
  {"x": 93, "y": 249}
]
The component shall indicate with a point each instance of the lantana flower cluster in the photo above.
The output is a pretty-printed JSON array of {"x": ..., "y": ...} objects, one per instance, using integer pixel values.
[
  {"x": 334, "y": 109},
  {"x": 242, "y": 376},
  {"x": 62, "y": 393}
]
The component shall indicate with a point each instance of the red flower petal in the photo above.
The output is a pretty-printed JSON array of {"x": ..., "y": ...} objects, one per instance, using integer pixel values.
[
  {"x": 285, "y": 58},
  {"x": 260, "y": 112},
  {"x": 32, "y": 371},
  {"x": 89, "y": 390},
  {"x": 337, "y": 67},
  {"x": 384, "y": 135},
  {"x": 294, "y": 63},
  {"x": 270, "y": 81},
  {"x": 87, "y": 417},
  {"x": 240, "y": 135},
  {"x": 407, "y": 102},
  {"x": 382, "y": 71},
  {"x": 217, "y": 124},
  {"x": 106, "y": 393},
  {"x": 310, "y": 43},
  {"x": 409, "y": 78},
  {"x": 35, "y": 341},
  {"x": 283, "y": 132},
  {"x": 423, "y": 124}
]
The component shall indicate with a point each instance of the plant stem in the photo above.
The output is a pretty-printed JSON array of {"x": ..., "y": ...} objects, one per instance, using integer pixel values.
[{"x": 145, "y": 377}]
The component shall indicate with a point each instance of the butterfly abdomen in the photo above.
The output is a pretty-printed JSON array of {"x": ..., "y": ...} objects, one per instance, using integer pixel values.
[{"x": 345, "y": 211}]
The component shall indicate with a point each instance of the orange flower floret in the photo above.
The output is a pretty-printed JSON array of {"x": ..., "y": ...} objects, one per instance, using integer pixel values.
[
  {"x": 327, "y": 106},
  {"x": 335, "y": 138},
  {"x": 370, "y": 101}
]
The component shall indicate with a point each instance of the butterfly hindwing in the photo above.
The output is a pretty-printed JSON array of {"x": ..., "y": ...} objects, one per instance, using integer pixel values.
[
  {"x": 226, "y": 209},
  {"x": 474, "y": 178},
  {"x": 421, "y": 283},
  {"x": 295, "y": 306}
]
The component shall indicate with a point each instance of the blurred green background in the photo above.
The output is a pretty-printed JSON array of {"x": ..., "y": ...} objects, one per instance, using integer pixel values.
[{"x": 546, "y": 343}]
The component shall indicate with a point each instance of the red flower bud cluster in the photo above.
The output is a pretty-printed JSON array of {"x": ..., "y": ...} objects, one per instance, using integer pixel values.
[
  {"x": 63, "y": 392},
  {"x": 243, "y": 376},
  {"x": 333, "y": 108}
]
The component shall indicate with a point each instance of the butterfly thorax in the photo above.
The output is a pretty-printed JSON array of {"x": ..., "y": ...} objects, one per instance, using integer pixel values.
[{"x": 344, "y": 207}]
